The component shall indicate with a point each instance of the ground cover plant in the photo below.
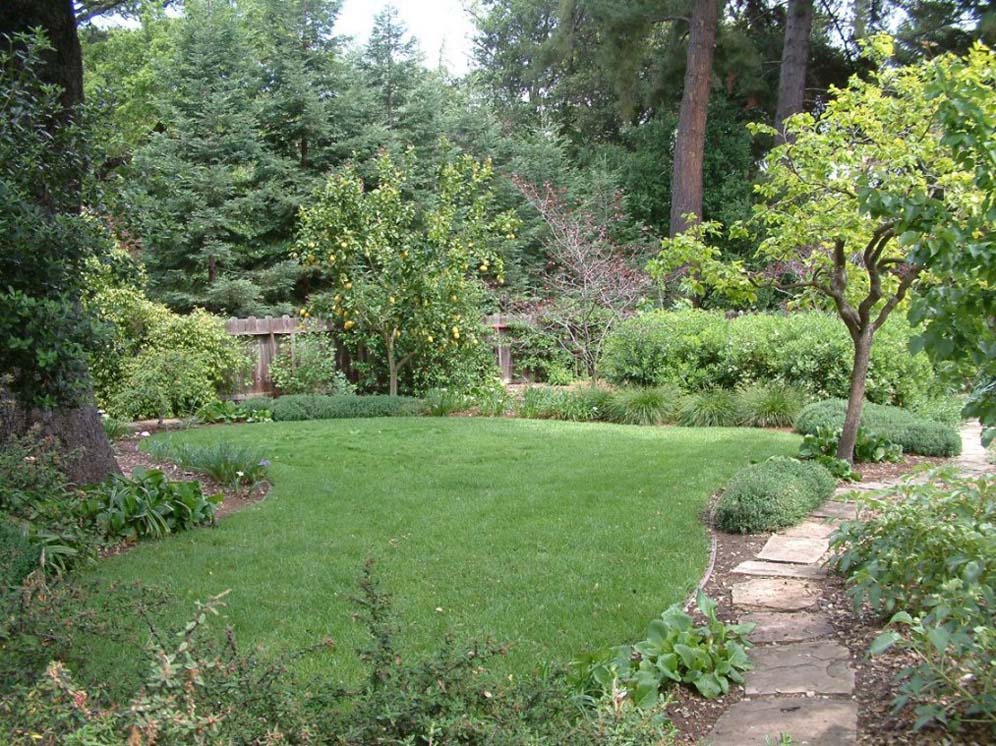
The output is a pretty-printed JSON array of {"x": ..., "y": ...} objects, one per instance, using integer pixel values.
[
  {"x": 924, "y": 558},
  {"x": 319, "y": 407},
  {"x": 482, "y": 527},
  {"x": 773, "y": 494},
  {"x": 915, "y": 434}
]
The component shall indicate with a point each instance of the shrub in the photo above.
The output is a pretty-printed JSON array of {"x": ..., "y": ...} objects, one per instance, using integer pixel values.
[
  {"x": 657, "y": 405},
  {"x": 773, "y": 494},
  {"x": 444, "y": 402},
  {"x": 492, "y": 399},
  {"x": 226, "y": 463},
  {"x": 904, "y": 428},
  {"x": 769, "y": 405},
  {"x": 586, "y": 404},
  {"x": 926, "y": 554},
  {"x": 944, "y": 409},
  {"x": 715, "y": 408},
  {"x": 18, "y": 556},
  {"x": 148, "y": 504},
  {"x": 317, "y": 407},
  {"x": 257, "y": 404},
  {"x": 162, "y": 384},
  {"x": 708, "y": 657},
  {"x": 114, "y": 429},
  {"x": 229, "y": 411},
  {"x": 811, "y": 351},
  {"x": 307, "y": 366}
]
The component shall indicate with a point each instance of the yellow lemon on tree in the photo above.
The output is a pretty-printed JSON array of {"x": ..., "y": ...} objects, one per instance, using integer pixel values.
[{"x": 349, "y": 324}]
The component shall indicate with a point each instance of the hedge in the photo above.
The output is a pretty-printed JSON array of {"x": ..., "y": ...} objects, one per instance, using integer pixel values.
[
  {"x": 318, "y": 407},
  {"x": 773, "y": 494},
  {"x": 703, "y": 349},
  {"x": 916, "y": 434}
]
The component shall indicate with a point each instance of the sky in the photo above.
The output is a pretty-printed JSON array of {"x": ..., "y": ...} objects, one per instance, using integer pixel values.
[{"x": 437, "y": 24}]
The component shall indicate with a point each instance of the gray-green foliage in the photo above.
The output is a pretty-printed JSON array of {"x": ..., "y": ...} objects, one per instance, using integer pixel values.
[
  {"x": 773, "y": 494},
  {"x": 914, "y": 433},
  {"x": 317, "y": 407}
]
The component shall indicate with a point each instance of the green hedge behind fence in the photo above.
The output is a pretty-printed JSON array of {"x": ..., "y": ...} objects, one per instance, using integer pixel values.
[{"x": 703, "y": 349}]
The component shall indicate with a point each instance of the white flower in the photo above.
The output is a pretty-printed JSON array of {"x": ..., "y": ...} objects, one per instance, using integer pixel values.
[{"x": 145, "y": 433}]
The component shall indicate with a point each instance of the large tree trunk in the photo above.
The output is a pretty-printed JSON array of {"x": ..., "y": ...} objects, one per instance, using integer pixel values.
[
  {"x": 689, "y": 146},
  {"x": 795, "y": 57},
  {"x": 856, "y": 398},
  {"x": 78, "y": 428}
]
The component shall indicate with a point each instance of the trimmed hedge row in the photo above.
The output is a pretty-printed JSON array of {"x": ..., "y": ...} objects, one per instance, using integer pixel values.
[
  {"x": 914, "y": 433},
  {"x": 773, "y": 494},
  {"x": 318, "y": 407},
  {"x": 703, "y": 349}
]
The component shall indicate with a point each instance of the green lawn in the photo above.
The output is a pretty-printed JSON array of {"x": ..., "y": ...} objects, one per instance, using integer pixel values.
[{"x": 557, "y": 537}]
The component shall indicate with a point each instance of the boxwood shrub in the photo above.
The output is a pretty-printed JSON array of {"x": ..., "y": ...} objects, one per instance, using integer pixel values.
[
  {"x": 318, "y": 407},
  {"x": 703, "y": 349},
  {"x": 914, "y": 433},
  {"x": 773, "y": 494}
]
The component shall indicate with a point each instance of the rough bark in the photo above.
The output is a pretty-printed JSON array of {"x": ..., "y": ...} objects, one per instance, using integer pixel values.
[
  {"x": 856, "y": 397},
  {"x": 79, "y": 431},
  {"x": 795, "y": 57},
  {"x": 689, "y": 147},
  {"x": 78, "y": 428}
]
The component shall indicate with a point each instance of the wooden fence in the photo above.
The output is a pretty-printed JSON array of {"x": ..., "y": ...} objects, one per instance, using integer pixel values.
[{"x": 270, "y": 335}]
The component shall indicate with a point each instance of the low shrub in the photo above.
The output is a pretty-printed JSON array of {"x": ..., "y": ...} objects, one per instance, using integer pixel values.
[
  {"x": 162, "y": 383},
  {"x": 317, "y": 407},
  {"x": 228, "y": 464},
  {"x": 926, "y": 555},
  {"x": 148, "y": 504},
  {"x": 713, "y": 408},
  {"x": 769, "y": 405},
  {"x": 257, "y": 404},
  {"x": 812, "y": 351},
  {"x": 944, "y": 409},
  {"x": 584, "y": 404},
  {"x": 708, "y": 657},
  {"x": 18, "y": 556},
  {"x": 658, "y": 405},
  {"x": 308, "y": 366},
  {"x": 492, "y": 399},
  {"x": 773, "y": 494},
  {"x": 914, "y": 433}
]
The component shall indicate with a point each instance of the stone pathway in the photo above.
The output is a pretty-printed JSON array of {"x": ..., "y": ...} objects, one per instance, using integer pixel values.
[{"x": 802, "y": 682}]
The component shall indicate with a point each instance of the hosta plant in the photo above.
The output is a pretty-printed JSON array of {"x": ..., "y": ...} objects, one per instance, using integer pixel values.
[{"x": 708, "y": 657}]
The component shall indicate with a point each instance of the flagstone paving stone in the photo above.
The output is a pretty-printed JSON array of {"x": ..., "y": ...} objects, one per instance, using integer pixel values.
[
  {"x": 775, "y": 594},
  {"x": 798, "y": 549},
  {"x": 822, "y": 667},
  {"x": 808, "y": 721},
  {"x": 779, "y": 570},
  {"x": 777, "y": 626}
]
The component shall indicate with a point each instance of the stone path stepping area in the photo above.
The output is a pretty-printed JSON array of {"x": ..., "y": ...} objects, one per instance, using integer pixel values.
[{"x": 802, "y": 682}]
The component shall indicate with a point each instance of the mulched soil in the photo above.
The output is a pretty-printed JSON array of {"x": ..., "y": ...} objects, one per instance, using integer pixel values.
[{"x": 875, "y": 677}]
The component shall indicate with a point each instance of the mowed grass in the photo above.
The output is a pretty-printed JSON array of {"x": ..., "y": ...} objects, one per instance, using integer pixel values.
[{"x": 555, "y": 537}]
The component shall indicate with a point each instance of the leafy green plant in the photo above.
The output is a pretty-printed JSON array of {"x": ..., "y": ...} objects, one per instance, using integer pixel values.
[
  {"x": 913, "y": 433},
  {"x": 773, "y": 494},
  {"x": 148, "y": 504},
  {"x": 163, "y": 384},
  {"x": 769, "y": 405},
  {"x": 838, "y": 467},
  {"x": 492, "y": 399},
  {"x": 714, "y": 408},
  {"x": 307, "y": 365},
  {"x": 676, "y": 650},
  {"x": 868, "y": 447},
  {"x": 444, "y": 402},
  {"x": 227, "y": 463},
  {"x": 229, "y": 411},
  {"x": 18, "y": 556},
  {"x": 114, "y": 429},
  {"x": 645, "y": 406},
  {"x": 924, "y": 555}
]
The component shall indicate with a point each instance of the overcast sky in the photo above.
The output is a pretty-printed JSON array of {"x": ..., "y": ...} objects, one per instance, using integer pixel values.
[{"x": 437, "y": 24}]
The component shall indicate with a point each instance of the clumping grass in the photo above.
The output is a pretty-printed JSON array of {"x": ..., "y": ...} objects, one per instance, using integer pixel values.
[
  {"x": 713, "y": 408},
  {"x": 555, "y": 537},
  {"x": 769, "y": 405},
  {"x": 646, "y": 406},
  {"x": 229, "y": 464}
]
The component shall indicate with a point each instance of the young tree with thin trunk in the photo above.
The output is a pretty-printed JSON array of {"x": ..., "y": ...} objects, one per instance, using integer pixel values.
[
  {"x": 839, "y": 210},
  {"x": 689, "y": 146}
]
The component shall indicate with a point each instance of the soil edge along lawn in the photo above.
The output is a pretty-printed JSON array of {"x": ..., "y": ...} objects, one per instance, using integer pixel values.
[{"x": 556, "y": 537}]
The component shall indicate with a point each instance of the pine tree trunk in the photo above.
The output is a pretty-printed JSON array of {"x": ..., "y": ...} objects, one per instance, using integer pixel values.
[
  {"x": 689, "y": 147},
  {"x": 856, "y": 398},
  {"x": 78, "y": 428},
  {"x": 795, "y": 57}
]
